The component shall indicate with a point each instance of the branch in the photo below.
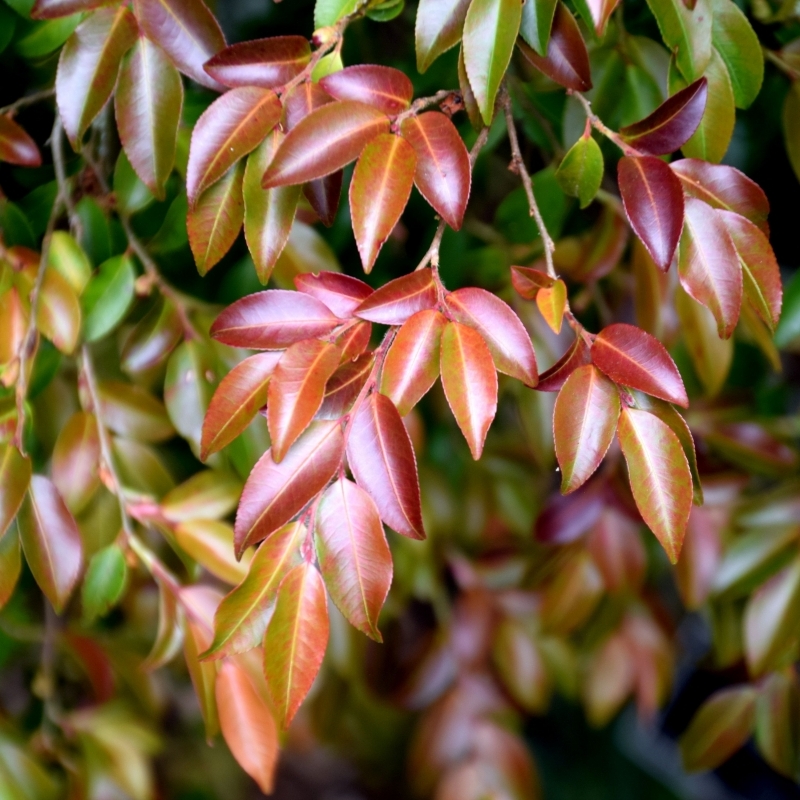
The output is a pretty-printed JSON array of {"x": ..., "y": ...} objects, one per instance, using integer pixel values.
[
  {"x": 599, "y": 125},
  {"x": 28, "y": 100}
]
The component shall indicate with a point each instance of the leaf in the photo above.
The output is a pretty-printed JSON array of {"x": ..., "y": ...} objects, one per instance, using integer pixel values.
[
  {"x": 443, "y": 172},
  {"x": 267, "y": 63},
  {"x": 342, "y": 294},
  {"x": 10, "y": 565},
  {"x": 209, "y": 542},
  {"x": 76, "y": 461},
  {"x": 687, "y": 32},
  {"x": 132, "y": 412},
  {"x": 51, "y": 541},
  {"x": 501, "y": 329},
  {"x": 634, "y": 358},
  {"x": 566, "y": 61},
  {"x": 88, "y": 67},
  {"x": 329, "y": 12},
  {"x": 242, "y": 617},
  {"x": 653, "y": 201},
  {"x": 296, "y": 390},
  {"x": 467, "y": 96},
  {"x": 399, "y": 299},
  {"x": 600, "y": 12},
  {"x": 518, "y": 659},
  {"x": 16, "y": 147},
  {"x": 186, "y": 30},
  {"x": 384, "y": 88},
  {"x": 354, "y": 557},
  {"x": 659, "y": 475},
  {"x": 708, "y": 265},
  {"x": 581, "y": 170},
  {"x": 169, "y": 636},
  {"x": 274, "y": 493},
  {"x": 273, "y": 320},
  {"x": 490, "y": 30},
  {"x": 379, "y": 192},
  {"x": 67, "y": 258},
  {"x": 671, "y": 124},
  {"x": 537, "y": 21},
  {"x": 268, "y": 213},
  {"x": 344, "y": 386},
  {"x": 469, "y": 382},
  {"x": 105, "y": 582},
  {"x": 15, "y": 477},
  {"x": 237, "y": 399},
  {"x": 148, "y": 104},
  {"x": 215, "y": 221},
  {"x": 776, "y": 723},
  {"x": 296, "y": 639},
  {"x": 737, "y": 44},
  {"x": 247, "y": 724},
  {"x": 721, "y": 726},
  {"x": 527, "y": 281},
  {"x": 151, "y": 339},
  {"x": 53, "y": 9},
  {"x": 108, "y": 297},
  {"x": 554, "y": 378},
  {"x": 438, "y": 28},
  {"x": 210, "y": 494},
  {"x": 552, "y": 302},
  {"x": 326, "y": 140},
  {"x": 790, "y": 119},
  {"x": 381, "y": 458},
  {"x": 58, "y": 313},
  {"x": 584, "y": 422}
]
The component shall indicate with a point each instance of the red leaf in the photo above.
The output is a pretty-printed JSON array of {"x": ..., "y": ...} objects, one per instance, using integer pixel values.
[
  {"x": 527, "y": 281},
  {"x": 326, "y": 140},
  {"x": 16, "y": 147},
  {"x": 709, "y": 267},
  {"x": 354, "y": 341},
  {"x": 296, "y": 639},
  {"x": 382, "y": 460},
  {"x": 632, "y": 357},
  {"x": 274, "y": 493},
  {"x": 659, "y": 474},
  {"x": 500, "y": 328},
  {"x": 653, "y": 201},
  {"x": 671, "y": 124},
  {"x": 296, "y": 389},
  {"x": 443, "y": 172},
  {"x": 354, "y": 557},
  {"x": 52, "y": 9},
  {"x": 342, "y": 294},
  {"x": 76, "y": 461},
  {"x": 397, "y": 300},
  {"x": 412, "y": 363},
  {"x": 231, "y": 127},
  {"x": 344, "y": 386},
  {"x": 301, "y": 101},
  {"x": 554, "y": 378},
  {"x": 584, "y": 423},
  {"x": 267, "y": 63},
  {"x": 272, "y": 320},
  {"x": 567, "y": 61},
  {"x": 15, "y": 477},
  {"x": 186, "y": 30},
  {"x": 385, "y": 88},
  {"x": 470, "y": 383},
  {"x": 379, "y": 192},
  {"x": 237, "y": 399}
]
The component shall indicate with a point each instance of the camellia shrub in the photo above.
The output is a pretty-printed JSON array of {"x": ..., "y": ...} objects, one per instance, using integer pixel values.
[{"x": 505, "y": 289}]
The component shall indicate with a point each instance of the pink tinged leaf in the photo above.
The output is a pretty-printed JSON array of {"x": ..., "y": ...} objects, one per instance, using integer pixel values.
[
  {"x": 16, "y": 147},
  {"x": 301, "y": 101},
  {"x": 323, "y": 142},
  {"x": 186, "y": 30},
  {"x": 296, "y": 390},
  {"x": 601, "y": 11},
  {"x": 584, "y": 422},
  {"x": 672, "y": 124},
  {"x": 659, "y": 475},
  {"x": 354, "y": 341},
  {"x": 53, "y": 9},
  {"x": 88, "y": 67},
  {"x": 344, "y": 386},
  {"x": 527, "y": 281},
  {"x": 501, "y": 329},
  {"x": 58, "y": 314},
  {"x": 340, "y": 293},
  {"x": 382, "y": 460},
  {"x": 411, "y": 366},
  {"x": 268, "y": 63},
  {"x": 354, "y": 557},
  {"x": 15, "y": 477},
  {"x": 470, "y": 382},
  {"x": 273, "y": 320},
  {"x": 438, "y": 28},
  {"x": 209, "y": 543},
  {"x": 76, "y": 461},
  {"x": 231, "y": 127},
  {"x": 274, "y": 493},
  {"x": 632, "y": 357},
  {"x": 653, "y": 201},
  {"x": 296, "y": 639},
  {"x": 237, "y": 399},
  {"x": 554, "y": 378},
  {"x": 760, "y": 271},
  {"x": 379, "y": 192},
  {"x": 384, "y": 88},
  {"x": 51, "y": 541},
  {"x": 443, "y": 174},
  {"x": 709, "y": 267},
  {"x": 397, "y": 300}
]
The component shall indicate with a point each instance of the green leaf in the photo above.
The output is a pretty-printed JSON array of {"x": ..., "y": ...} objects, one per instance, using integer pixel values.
[
  {"x": 438, "y": 28},
  {"x": 537, "y": 20},
  {"x": 581, "y": 171},
  {"x": 67, "y": 258},
  {"x": 738, "y": 46},
  {"x": 15, "y": 476},
  {"x": 686, "y": 32},
  {"x": 129, "y": 191},
  {"x": 329, "y": 12},
  {"x": 105, "y": 582},
  {"x": 108, "y": 297},
  {"x": 47, "y": 36}
]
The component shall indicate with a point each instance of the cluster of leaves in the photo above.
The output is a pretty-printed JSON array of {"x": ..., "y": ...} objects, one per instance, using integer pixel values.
[{"x": 299, "y": 404}]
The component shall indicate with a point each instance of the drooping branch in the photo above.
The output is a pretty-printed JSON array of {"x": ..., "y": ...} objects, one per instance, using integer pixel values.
[{"x": 28, "y": 100}]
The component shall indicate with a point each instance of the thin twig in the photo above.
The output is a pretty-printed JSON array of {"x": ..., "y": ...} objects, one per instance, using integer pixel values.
[
  {"x": 421, "y": 103},
  {"x": 28, "y": 100},
  {"x": 782, "y": 65},
  {"x": 599, "y": 125}
]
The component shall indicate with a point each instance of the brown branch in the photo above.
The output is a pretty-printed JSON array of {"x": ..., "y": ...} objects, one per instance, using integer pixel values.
[
  {"x": 28, "y": 100},
  {"x": 599, "y": 125},
  {"x": 421, "y": 103},
  {"x": 782, "y": 65}
]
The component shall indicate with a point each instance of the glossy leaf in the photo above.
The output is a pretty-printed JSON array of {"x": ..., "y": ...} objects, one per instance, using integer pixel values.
[
  {"x": 152, "y": 339},
  {"x": 344, "y": 386},
  {"x": 15, "y": 477},
  {"x": 132, "y": 412},
  {"x": 53, "y": 9},
  {"x": 210, "y": 494},
  {"x": 686, "y": 30},
  {"x": 470, "y": 382},
  {"x": 342, "y": 294},
  {"x": 209, "y": 542},
  {"x": 527, "y": 281},
  {"x": 16, "y": 147},
  {"x": 581, "y": 170},
  {"x": 267, "y": 63},
  {"x": 384, "y": 88},
  {"x": 105, "y": 582},
  {"x": 58, "y": 314},
  {"x": 554, "y": 378},
  {"x": 399, "y": 299},
  {"x": 737, "y": 44},
  {"x": 552, "y": 303},
  {"x": 600, "y": 12},
  {"x": 536, "y": 23},
  {"x": 438, "y": 28},
  {"x": 76, "y": 461},
  {"x": 584, "y": 422},
  {"x": 381, "y": 458},
  {"x": 108, "y": 297},
  {"x": 68, "y": 258}
]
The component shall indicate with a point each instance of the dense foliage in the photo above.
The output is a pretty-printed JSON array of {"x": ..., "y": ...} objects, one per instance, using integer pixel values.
[{"x": 548, "y": 351}]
